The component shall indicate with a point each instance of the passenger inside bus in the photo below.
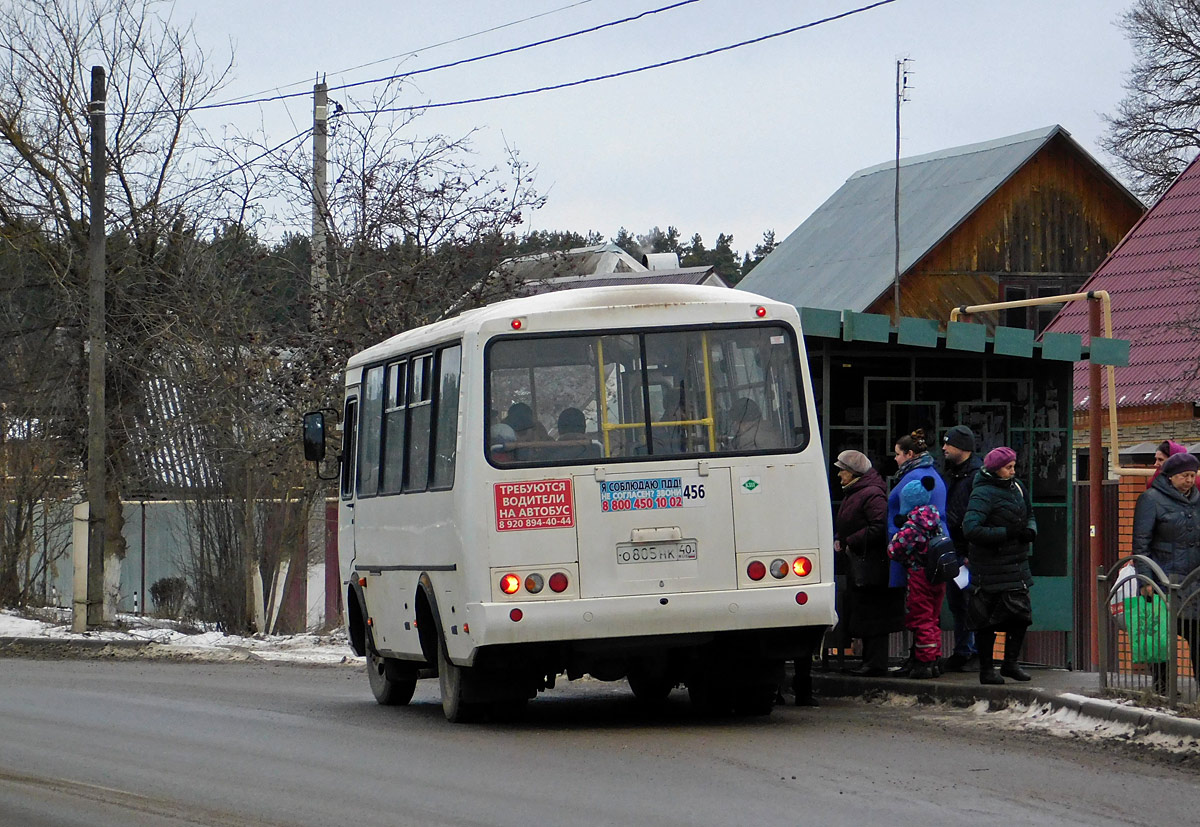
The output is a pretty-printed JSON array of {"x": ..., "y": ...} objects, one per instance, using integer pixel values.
[
  {"x": 750, "y": 432},
  {"x": 528, "y": 430},
  {"x": 573, "y": 442}
]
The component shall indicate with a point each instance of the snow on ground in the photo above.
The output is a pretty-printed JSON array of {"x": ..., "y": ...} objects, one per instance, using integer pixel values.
[
  {"x": 332, "y": 649},
  {"x": 1045, "y": 718}
]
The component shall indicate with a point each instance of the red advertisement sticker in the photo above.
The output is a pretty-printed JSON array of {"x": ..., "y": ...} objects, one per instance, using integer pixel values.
[{"x": 534, "y": 504}]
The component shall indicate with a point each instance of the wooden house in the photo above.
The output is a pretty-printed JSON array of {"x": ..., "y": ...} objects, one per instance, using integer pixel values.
[{"x": 1029, "y": 215}]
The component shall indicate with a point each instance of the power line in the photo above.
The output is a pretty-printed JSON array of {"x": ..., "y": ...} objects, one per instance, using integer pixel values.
[
  {"x": 429, "y": 48},
  {"x": 439, "y": 67},
  {"x": 623, "y": 73}
]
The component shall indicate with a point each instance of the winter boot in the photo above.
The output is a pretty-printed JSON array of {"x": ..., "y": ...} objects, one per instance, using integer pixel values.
[
  {"x": 1012, "y": 669},
  {"x": 1012, "y": 652},
  {"x": 987, "y": 666}
]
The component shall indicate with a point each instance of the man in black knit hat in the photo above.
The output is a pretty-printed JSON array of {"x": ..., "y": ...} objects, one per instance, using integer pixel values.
[{"x": 959, "y": 466}]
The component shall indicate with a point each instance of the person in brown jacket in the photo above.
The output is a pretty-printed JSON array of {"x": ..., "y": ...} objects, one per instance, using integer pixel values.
[{"x": 874, "y": 610}]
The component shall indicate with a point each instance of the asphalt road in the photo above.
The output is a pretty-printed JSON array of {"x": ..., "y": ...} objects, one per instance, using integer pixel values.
[{"x": 92, "y": 742}]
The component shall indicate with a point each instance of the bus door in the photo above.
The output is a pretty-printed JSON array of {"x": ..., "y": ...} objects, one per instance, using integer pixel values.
[{"x": 345, "y": 538}]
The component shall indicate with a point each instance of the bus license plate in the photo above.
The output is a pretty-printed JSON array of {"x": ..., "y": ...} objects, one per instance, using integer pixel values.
[{"x": 656, "y": 552}]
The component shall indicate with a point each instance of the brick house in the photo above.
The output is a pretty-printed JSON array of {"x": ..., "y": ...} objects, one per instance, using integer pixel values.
[{"x": 1153, "y": 276}]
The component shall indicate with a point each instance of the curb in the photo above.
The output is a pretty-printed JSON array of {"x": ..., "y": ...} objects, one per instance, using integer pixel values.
[
  {"x": 66, "y": 645},
  {"x": 1145, "y": 719}
]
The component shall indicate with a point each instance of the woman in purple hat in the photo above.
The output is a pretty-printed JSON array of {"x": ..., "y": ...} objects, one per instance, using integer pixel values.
[
  {"x": 1166, "y": 529},
  {"x": 999, "y": 524}
]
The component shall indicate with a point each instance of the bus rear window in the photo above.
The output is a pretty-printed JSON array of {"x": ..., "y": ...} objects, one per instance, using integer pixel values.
[{"x": 674, "y": 392}]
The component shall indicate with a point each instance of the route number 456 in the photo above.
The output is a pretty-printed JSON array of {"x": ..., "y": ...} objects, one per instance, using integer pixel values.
[{"x": 693, "y": 492}]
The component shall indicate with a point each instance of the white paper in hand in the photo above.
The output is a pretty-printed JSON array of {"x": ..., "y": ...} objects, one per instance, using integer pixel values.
[{"x": 964, "y": 577}]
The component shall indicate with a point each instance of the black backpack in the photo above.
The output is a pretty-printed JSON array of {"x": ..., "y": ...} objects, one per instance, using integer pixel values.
[{"x": 941, "y": 560}]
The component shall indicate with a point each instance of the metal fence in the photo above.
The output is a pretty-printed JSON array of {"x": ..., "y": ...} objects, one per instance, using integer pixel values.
[{"x": 1148, "y": 630}]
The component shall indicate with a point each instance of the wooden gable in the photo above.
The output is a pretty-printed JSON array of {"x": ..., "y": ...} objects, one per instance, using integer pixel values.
[{"x": 1049, "y": 227}]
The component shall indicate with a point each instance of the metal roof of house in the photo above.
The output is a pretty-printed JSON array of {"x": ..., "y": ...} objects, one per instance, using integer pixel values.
[
  {"x": 579, "y": 261},
  {"x": 682, "y": 275},
  {"x": 1153, "y": 276},
  {"x": 843, "y": 256}
]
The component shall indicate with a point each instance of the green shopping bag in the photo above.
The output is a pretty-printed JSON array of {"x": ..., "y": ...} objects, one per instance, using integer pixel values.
[{"x": 1149, "y": 627}]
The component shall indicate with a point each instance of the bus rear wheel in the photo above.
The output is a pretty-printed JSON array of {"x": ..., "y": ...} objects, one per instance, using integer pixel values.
[
  {"x": 650, "y": 686},
  {"x": 392, "y": 682},
  {"x": 452, "y": 681}
]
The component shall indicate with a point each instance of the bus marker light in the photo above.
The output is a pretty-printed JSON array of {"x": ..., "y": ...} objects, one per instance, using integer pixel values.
[
  {"x": 756, "y": 570},
  {"x": 558, "y": 582},
  {"x": 802, "y": 566},
  {"x": 760, "y": 312},
  {"x": 466, "y": 629},
  {"x": 801, "y": 597},
  {"x": 509, "y": 583},
  {"x": 534, "y": 583},
  {"x": 515, "y": 615},
  {"x": 362, "y": 581},
  {"x": 779, "y": 569},
  {"x": 370, "y": 621},
  {"x": 516, "y": 324}
]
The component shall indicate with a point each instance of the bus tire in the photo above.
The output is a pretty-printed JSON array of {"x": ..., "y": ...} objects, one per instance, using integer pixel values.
[
  {"x": 393, "y": 682},
  {"x": 649, "y": 686},
  {"x": 710, "y": 697},
  {"x": 452, "y": 680},
  {"x": 754, "y": 700}
]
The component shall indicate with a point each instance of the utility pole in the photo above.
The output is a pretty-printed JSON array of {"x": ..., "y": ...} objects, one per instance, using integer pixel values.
[
  {"x": 96, "y": 493},
  {"x": 320, "y": 207},
  {"x": 901, "y": 96}
]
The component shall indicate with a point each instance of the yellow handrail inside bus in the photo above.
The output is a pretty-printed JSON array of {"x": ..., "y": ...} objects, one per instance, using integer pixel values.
[
  {"x": 607, "y": 427},
  {"x": 708, "y": 395},
  {"x": 602, "y": 403}
]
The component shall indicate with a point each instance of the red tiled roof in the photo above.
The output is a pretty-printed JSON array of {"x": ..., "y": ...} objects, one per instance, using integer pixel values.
[{"x": 1153, "y": 277}]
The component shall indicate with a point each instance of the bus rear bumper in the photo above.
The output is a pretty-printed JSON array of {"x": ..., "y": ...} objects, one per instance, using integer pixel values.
[{"x": 493, "y": 624}]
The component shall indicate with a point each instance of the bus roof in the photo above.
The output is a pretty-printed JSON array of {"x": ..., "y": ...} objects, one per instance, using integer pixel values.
[{"x": 580, "y": 299}]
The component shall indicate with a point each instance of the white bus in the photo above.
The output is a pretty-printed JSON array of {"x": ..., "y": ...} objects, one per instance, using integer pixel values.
[{"x": 622, "y": 482}]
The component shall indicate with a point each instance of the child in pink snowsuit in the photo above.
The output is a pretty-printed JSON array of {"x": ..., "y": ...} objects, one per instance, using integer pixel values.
[{"x": 923, "y": 603}]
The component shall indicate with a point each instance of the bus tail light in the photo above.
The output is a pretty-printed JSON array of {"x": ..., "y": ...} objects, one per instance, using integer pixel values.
[
  {"x": 802, "y": 566},
  {"x": 510, "y": 583},
  {"x": 779, "y": 569},
  {"x": 756, "y": 570},
  {"x": 534, "y": 583},
  {"x": 801, "y": 598},
  {"x": 515, "y": 615},
  {"x": 558, "y": 582}
]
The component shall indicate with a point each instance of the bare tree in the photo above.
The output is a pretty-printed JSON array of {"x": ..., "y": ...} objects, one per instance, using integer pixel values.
[
  {"x": 158, "y": 75},
  {"x": 1155, "y": 132}
]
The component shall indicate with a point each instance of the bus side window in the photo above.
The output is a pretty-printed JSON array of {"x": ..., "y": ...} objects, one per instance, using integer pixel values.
[
  {"x": 445, "y": 434},
  {"x": 349, "y": 447},
  {"x": 370, "y": 433},
  {"x": 420, "y": 404},
  {"x": 393, "y": 428}
]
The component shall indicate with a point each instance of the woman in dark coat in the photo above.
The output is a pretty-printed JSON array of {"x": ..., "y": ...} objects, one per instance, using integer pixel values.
[
  {"x": 874, "y": 610},
  {"x": 999, "y": 524},
  {"x": 1166, "y": 528}
]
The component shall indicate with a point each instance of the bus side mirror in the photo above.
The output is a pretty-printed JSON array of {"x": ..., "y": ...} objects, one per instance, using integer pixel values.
[{"x": 314, "y": 436}]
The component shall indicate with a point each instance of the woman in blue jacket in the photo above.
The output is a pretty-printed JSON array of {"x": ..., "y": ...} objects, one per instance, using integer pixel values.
[
  {"x": 916, "y": 465},
  {"x": 915, "y": 462}
]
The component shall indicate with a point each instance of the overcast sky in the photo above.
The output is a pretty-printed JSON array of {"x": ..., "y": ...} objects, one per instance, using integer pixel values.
[{"x": 738, "y": 142}]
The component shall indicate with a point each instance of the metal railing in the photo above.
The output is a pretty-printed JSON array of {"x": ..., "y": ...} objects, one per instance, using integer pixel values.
[{"x": 1138, "y": 656}]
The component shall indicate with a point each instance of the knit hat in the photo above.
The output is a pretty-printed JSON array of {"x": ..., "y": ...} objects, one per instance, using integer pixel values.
[
  {"x": 997, "y": 458},
  {"x": 915, "y": 494},
  {"x": 855, "y": 462},
  {"x": 1178, "y": 463},
  {"x": 961, "y": 437}
]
